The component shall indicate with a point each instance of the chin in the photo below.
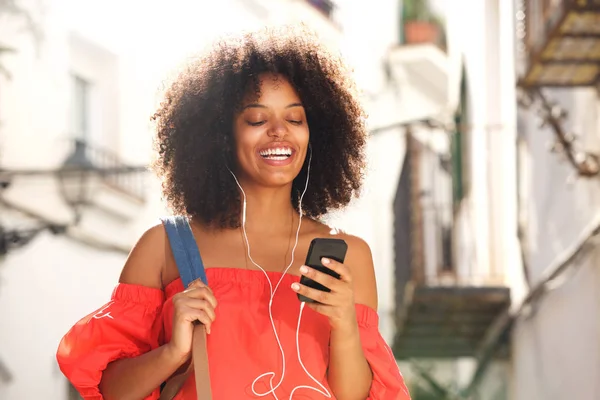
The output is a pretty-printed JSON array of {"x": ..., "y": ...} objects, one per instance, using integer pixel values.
[
  {"x": 277, "y": 180},
  {"x": 274, "y": 173}
]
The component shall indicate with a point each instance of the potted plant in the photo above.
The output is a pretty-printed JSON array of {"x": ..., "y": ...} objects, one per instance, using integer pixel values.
[{"x": 420, "y": 25}]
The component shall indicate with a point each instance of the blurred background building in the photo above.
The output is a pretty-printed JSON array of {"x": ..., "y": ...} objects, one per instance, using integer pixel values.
[
  {"x": 497, "y": 279},
  {"x": 481, "y": 204}
]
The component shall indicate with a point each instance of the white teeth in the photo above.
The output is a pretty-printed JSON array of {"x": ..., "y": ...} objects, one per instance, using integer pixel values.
[
  {"x": 278, "y": 153},
  {"x": 277, "y": 158}
]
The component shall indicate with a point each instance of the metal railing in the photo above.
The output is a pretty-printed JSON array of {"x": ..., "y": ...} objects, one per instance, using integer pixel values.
[
  {"x": 437, "y": 240},
  {"x": 424, "y": 225},
  {"x": 435, "y": 243},
  {"x": 432, "y": 201},
  {"x": 112, "y": 171}
]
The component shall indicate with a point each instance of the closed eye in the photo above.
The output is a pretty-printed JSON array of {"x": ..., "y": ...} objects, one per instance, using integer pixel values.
[
  {"x": 295, "y": 122},
  {"x": 259, "y": 123}
]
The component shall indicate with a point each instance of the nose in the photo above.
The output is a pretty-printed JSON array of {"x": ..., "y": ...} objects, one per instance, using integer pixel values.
[{"x": 277, "y": 130}]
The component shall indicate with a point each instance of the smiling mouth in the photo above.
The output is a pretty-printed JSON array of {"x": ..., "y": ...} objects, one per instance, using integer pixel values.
[{"x": 276, "y": 154}]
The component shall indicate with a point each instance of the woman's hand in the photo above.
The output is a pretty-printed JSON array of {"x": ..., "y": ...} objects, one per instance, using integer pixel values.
[
  {"x": 337, "y": 305},
  {"x": 197, "y": 303}
]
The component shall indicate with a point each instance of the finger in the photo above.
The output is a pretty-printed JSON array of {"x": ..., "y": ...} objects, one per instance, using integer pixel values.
[
  {"x": 324, "y": 279},
  {"x": 202, "y": 305},
  {"x": 338, "y": 267},
  {"x": 201, "y": 293},
  {"x": 198, "y": 284},
  {"x": 314, "y": 294},
  {"x": 193, "y": 315},
  {"x": 323, "y": 309}
]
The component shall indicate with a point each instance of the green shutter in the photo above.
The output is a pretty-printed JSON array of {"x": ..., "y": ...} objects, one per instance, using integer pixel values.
[
  {"x": 457, "y": 168},
  {"x": 458, "y": 145}
]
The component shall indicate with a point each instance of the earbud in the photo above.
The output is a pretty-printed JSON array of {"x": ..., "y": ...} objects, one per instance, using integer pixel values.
[{"x": 323, "y": 390}]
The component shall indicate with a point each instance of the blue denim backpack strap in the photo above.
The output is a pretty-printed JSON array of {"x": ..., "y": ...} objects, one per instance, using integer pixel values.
[
  {"x": 190, "y": 266},
  {"x": 185, "y": 250}
]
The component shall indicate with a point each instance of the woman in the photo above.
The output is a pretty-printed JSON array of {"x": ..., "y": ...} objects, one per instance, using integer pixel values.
[{"x": 256, "y": 141}]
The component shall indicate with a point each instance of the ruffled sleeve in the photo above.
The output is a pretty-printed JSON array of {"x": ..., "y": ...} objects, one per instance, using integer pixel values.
[
  {"x": 124, "y": 327},
  {"x": 388, "y": 383}
]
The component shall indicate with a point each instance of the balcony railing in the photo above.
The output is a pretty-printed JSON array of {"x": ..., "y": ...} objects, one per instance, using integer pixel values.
[
  {"x": 561, "y": 42},
  {"x": 444, "y": 305},
  {"x": 108, "y": 166},
  {"x": 429, "y": 183}
]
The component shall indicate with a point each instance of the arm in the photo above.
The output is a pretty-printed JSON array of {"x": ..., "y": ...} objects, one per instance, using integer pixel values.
[
  {"x": 349, "y": 375},
  {"x": 138, "y": 377}
]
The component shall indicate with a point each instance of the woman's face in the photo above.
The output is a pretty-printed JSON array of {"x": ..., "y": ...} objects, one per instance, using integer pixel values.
[{"x": 271, "y": 134}]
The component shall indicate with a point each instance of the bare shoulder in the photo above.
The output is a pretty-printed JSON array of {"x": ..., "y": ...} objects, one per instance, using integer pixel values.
[
  {"x": 146, "y": 261},
  {"x": 359, "y": 260}
]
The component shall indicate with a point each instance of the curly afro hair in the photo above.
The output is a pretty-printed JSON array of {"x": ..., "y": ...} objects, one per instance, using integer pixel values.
[{"x": 195, "y": 122}]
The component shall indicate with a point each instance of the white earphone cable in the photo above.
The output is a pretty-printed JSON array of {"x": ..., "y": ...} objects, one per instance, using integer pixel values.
[{"x": 273, "y": 291}]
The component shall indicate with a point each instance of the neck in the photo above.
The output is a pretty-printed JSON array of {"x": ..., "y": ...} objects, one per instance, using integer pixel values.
[{"x": 269, "y": 210}]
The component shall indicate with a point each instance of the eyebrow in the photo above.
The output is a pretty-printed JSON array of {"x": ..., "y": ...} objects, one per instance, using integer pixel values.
[{"x": 256, "y": 105}]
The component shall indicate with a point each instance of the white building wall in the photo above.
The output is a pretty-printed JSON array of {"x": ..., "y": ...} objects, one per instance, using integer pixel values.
[
  {"x": 53, "y": 281},
  {"x": 480, "y": 39},
  {"x": 488, "y": 249},
  {"x": 34, "y": 98},
  {"x": 473, "y": 249},
  {"x": 100, "y": 69},
  {"x": 557, "y": 347},
  {"x": 44, "y": 290}
]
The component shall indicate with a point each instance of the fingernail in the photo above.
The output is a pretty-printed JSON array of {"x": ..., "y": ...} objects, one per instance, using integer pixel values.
[
  {"x": 303, "y": 269},
  {"x": 325, "y": 261},
  {"x": 295, "y": 287}
]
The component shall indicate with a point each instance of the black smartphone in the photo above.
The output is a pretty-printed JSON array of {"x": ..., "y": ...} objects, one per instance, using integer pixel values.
[{"x": 334, "y": 249}]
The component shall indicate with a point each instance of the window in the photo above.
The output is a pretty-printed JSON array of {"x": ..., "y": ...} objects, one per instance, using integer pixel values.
[
  {"x": 81, "y": 108},
  {"x": 325, "y": 6}
]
